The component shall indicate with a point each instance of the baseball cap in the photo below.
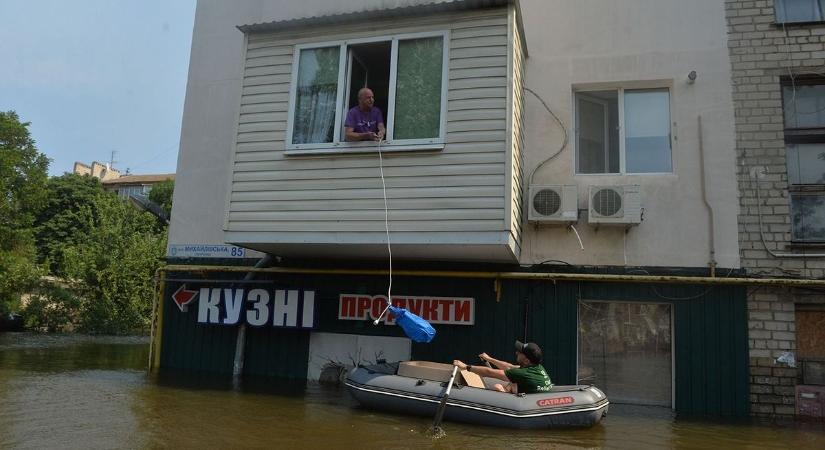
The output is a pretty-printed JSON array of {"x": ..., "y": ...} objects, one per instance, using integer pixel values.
[{"x": 530, "y": 350}]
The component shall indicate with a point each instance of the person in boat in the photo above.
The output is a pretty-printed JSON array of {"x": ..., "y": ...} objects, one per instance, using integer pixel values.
[
  {"x": 364, "y": 122},
  {"x": 528, "y": 377}
]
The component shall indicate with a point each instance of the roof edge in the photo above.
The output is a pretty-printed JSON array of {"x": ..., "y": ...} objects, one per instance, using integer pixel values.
[{"x": 359, "y": 16}]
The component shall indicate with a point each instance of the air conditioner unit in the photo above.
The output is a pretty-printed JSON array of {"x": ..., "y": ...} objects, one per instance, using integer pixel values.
[
  {"x": 553, "y": 204},
  {"x": 614, "y": 205}
]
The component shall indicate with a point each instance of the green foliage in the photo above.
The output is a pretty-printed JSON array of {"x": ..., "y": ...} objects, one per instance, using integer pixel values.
[
  {"x": 161, "y": 195},
  {"x": 114, "y": 266},
  {"x": 52, "y": 308},
  {"x": 67, "y": 218},
  {"x": 23, "y": 174}
]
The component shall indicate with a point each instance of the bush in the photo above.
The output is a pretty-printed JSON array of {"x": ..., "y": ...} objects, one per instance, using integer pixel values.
[{"x": 52, "y": 308}]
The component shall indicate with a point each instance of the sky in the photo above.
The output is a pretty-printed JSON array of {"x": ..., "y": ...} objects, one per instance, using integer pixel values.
[{"x": 97, "y": 76}]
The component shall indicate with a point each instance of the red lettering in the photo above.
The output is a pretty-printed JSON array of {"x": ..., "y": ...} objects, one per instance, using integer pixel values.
[
  {"x": 461, "y": 311},
  {"x": 364, "y": 304},
  {"x": 555, "y": 401},
  {"x": 430, "y": 307},
  {"x": 414, "y": 306},
  {"x": 445, "y": 310},
  {"x": 379, "y": 302},
  {"x": 347, "y": 306}
]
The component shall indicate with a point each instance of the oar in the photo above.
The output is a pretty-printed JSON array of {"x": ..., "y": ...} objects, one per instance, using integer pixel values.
[{"x": 443, "y": 405}]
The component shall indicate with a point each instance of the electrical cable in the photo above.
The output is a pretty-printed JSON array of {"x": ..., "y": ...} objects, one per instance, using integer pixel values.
[{"x": 563, "y": 129}]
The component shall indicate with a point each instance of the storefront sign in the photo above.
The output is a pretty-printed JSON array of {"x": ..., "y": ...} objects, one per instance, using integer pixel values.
[
  {"x": 444, "y": 310},
  {"x": 206, "y": 251},
  {"x": 256, "y": 306}
]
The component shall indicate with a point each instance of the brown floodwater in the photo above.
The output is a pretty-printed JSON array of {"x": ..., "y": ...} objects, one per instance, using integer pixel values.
[{"x": 94, "y": 392}]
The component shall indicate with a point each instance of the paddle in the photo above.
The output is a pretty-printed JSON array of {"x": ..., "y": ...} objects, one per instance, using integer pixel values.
[{"x": 443, "y": 405}]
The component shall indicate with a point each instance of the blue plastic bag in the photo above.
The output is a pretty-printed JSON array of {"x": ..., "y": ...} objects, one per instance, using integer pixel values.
[{"x": 416, "y": 328}]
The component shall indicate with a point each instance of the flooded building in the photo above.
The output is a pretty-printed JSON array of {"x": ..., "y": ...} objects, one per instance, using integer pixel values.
[
  {"x": 562, "y": 172},
  {"x": 777, "y": 51}
]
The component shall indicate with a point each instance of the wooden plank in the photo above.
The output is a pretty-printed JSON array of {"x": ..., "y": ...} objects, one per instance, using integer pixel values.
[
  {"x": 412, "y": 187},
  {"x": 261, "y": 127},
  {"x": 263, "y": 117},
  {"x": 377, "y": 215},
  {"x": 458, "y": 73},
  {"x": 268, "y": 70},
  {"x": 376, "y": 203},
  {"x": 284, "y": 78},
  {"x": 389, "y": 172},
  {"x": 368, "y": 226},
  {"x": 483, "y": 41},
  {"x": 480, "y": 31},
  {"x": 476, "y": 125},
  {"x": 282, "y": 88},
  {"x": 479, "y": 93},
  {"x": 265, "y": 98},
  {"x": 370, "y": 162},
  {"x": 481, "y": 62},
  {"x": 265, "y": 136},
  {"x": 264, "y": 107},
  {"x": 274, "y": 190},
  {"x": 483, "y": 82},
  {"x": 273, "y": 50},
  {"x": 273, "y": 60}
]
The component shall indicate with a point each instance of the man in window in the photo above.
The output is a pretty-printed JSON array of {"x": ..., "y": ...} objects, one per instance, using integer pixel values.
[{"x": 365, "y": 122}]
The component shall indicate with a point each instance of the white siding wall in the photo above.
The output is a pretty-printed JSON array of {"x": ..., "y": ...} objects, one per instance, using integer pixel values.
[
  {"x": 517, "y": 206},
  {"x": 460, "y": 189}
]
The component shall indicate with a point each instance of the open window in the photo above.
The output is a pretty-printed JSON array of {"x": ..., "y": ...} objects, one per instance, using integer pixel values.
[{"x": 407, "y": 74}]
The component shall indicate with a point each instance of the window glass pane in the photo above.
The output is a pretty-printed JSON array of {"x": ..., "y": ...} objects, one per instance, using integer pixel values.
[
  {"x": 622, "y": 347},
  {"x": 314, "y": 120},
  {"x": 798, "y": 10},
  {"x": 808, "y": 216},
  {"x": 418, "y": 89},
  {"x": 647, "y": 131},
  {"x": 806, "y": 163},
  {"x": 597, "y": 132},
  {"x": 804, "y": 106}
]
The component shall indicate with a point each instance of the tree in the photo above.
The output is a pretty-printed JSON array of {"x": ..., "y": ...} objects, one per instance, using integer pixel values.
[
  {"x": 161, "y": 195},
  {"x": 112, "y": 269},
  {"x": 23, "y": 175},
  {"x": 67, "y": 217}
]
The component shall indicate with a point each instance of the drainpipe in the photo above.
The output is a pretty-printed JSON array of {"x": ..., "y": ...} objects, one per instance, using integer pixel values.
[
  {"x": 240, "y": 342},
  {"x": 711, "y": 225}
]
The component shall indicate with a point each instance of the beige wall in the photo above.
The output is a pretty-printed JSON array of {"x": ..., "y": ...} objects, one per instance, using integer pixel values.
[
  {"x": 592, "y": 41},
  {"x": 569, "y": 42}
]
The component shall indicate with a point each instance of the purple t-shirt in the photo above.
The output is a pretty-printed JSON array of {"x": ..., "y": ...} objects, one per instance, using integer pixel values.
[{"x": 364, "y": 122}]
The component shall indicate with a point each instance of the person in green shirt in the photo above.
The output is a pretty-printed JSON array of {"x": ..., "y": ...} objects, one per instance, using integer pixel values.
[{"x": 528, "y": 377}]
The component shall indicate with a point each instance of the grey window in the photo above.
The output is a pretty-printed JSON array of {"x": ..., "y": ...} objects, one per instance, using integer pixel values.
[
  {"x": 804, "y": 111},
  {"x": 623, "y": 131},
  {"x": 799, "y": 11}
]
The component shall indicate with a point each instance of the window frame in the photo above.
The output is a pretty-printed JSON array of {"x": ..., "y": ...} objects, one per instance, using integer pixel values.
[
  {"x": 796, "y": 136},
  {"x": 338, "y": 144},
  {"x": 776, "y": 6},
  {"x": 620, "y": 91}
]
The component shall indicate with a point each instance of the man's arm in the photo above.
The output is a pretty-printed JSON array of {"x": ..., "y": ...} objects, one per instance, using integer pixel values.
[
  {"x": 483, "y": 371},
  {"x": 353, "y": 136},
  {"x": 500, "y": 364},
  {"x": 381, "y": 131}
]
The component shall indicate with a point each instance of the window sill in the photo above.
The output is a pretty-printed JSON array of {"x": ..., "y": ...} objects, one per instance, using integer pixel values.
[
  {"x": 781, "y": 25},
  {"x": 349, "y": 148}
]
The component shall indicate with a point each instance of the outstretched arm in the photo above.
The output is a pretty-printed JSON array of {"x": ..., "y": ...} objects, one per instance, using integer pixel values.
[
  {"x": 482, "y": 371},
  {"x": 500, "y": 364}
]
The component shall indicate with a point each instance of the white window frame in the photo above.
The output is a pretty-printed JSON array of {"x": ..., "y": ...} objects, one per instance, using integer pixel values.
[
  {"x": 338, "y": 144},
  {"x": 620, "y": 90}
]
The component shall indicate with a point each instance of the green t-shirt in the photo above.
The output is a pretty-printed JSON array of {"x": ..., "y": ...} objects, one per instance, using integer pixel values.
[{"x": 530, "y": 379}]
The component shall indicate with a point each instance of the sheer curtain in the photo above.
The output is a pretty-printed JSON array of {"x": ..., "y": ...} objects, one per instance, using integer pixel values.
[
  {"x": 315, "y": 97},
  {"x": 418, "y": 88}
]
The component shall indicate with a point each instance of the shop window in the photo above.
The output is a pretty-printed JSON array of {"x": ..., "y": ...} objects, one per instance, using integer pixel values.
[
  {"x": 623, "y": 131},
  {"x": 804, "y": 111},
  {"x": 406, "y": 74},
  {"x": 625, "y": 349},
  {"x": 799, "y": 11}
]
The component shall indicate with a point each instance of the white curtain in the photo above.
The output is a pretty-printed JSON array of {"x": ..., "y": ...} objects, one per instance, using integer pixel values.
[{"x": 314, "y": 120}]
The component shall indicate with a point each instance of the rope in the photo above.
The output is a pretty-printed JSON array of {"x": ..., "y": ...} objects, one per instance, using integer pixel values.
[{"x": 387, "y": 227}]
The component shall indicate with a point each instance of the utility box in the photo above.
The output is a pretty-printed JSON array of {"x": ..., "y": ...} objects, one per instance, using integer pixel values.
[{"x": 810, "y": 401}]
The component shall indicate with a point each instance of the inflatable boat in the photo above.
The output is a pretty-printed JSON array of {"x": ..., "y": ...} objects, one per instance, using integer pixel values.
[{"x": 416, "y": 387}]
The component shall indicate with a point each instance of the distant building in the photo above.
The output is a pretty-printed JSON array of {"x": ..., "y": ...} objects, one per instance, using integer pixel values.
[
  {"x": 98, "y": 170},
  {"x": 128, "y": 185}
]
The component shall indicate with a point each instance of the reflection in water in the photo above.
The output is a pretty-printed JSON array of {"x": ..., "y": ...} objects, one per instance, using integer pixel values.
[{"x": 80, "y": 392}]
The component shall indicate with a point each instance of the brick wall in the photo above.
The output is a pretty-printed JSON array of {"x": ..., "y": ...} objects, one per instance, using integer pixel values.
[{"x": 762, "y": 53}]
